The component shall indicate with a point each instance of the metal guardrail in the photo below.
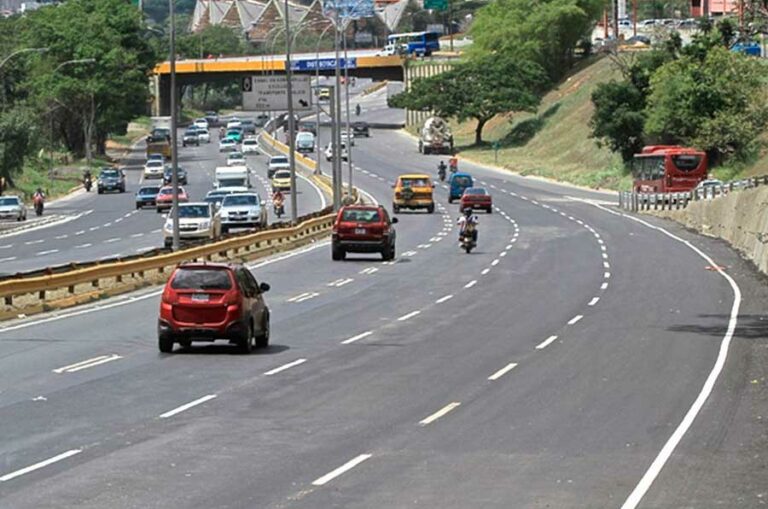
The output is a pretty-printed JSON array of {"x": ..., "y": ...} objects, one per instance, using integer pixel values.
[
  {"x": 34, "y": 294},
  {"x": 630, "y": 200}
]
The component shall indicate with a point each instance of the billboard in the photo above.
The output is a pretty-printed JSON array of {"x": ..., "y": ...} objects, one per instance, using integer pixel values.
[{"x": 346, "y": 10}]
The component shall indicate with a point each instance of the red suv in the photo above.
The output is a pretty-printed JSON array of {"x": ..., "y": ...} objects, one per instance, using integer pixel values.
[
  {"x": 363, "y": 229},
  {"x": 476, "y": 198},
  {"x": 207, "y": 301}
]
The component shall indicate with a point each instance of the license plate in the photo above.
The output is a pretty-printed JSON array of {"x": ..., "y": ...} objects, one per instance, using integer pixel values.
[
  {"x": 200, "y": 297},
  {"x": 360, "y": 231}
]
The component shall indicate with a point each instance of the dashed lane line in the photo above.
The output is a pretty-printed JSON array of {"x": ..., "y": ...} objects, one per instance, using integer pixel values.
[
  {"x": 357, "y": 338},
  {"x": 42, "y": 464},
  {"x": 282, "y": 368},
  {"x": 503, "y": 371},
  {"x": 440, "y": 413},
  {"x": 187, "y": 406},
  {"x": 349, "y": 465},
  {"x": 546, "y": 343}
]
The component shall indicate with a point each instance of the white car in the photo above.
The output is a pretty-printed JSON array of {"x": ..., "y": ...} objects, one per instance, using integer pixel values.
[
  {"x": 12, "y": 207},
  {"x": 250, "y": 145},
  {"x": 227, "y": 145},
  {"x": 201, "y": 123},
  {"x": 329, "y": 152},
  {"x": 234, "y": 122},
  {"x": 197, "y": 220},
  {"x": 235, "y": 159},
  {"x": 240, "y": 210},
  {"x": 345, "y": 136},
  {"x": 277, "y": 163},
  {"x": 156, "y": 157},
  {"x": 203, "y": 135},
  {"x": 154, "y": 169}
]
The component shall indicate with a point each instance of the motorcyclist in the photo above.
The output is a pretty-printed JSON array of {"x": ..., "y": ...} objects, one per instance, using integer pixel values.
[
  {"x": 87, "y": 180},
  {"x": 38, "y": 199},
  {"x": 453, "y": 162},
  {"x": 441, "y": 168},
  {"x": 466, "y": 220},
  {"x": 222, "y": 132},
  {"x": 358, "y": 110},
  {"x": 278, "y": 200}
]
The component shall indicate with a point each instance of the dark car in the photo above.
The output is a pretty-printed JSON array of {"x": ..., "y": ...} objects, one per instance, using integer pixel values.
[
  {"x": 248, "y": 126},
  {"x": 363, "y": 229},
  {"x": 213, "y": 118},
  {"x": 111, "y": 179},
  {"x": 208, "y": 301},
  {"x": 361, "y": 129},
  {"x": 180, "y": 172},
  {"x": 147, "y": 196}
]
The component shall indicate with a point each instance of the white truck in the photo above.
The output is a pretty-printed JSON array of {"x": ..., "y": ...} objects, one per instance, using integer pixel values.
[
  {"x": 232, "y": 176},
  {"x": 436, "y": 137}
]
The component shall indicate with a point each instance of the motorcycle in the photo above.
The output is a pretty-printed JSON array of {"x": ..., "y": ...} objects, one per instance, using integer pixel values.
[
  {"x": 453, "y": 163},
  {"x": 467, "y": 240},
  {"x": 87, "y": 183},
  {"x": 441, "y": 173},
  {"x": 279, "y": 210},
  {"x": 39, "y": 205}
]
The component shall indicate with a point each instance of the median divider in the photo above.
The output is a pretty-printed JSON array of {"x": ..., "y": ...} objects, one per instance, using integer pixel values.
[{"x": 25, "y": 296}]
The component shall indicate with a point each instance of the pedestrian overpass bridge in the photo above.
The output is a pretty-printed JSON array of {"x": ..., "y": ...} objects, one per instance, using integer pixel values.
[{"x": 362, "y": 64}]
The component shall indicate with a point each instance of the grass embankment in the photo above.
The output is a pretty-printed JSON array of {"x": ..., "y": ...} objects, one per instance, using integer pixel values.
[
  {"x": 36, "y": 175},
  {"x": 554, "y": 142}
]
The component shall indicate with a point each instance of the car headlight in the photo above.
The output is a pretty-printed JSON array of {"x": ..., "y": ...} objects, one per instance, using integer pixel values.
[
  {"x": 168, "y": 226},
  {"x": 204, "y": 225}
]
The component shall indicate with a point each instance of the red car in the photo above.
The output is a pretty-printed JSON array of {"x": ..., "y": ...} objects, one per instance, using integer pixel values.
[
  {"x": 476, "y": 198},
  {"x": 164, "y": 198},
  {"x": 210, "y": 301},
  {"x": 363, "y": 229}
]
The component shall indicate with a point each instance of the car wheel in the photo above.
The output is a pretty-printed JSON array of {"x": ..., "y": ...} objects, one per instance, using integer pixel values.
[
  {"x": 225, "y": 229},
  {"x": 388, "y": 253},
  {"x": 262, "y": 341},
  {"x": 431, "y": 209},
  {"x": 159, "y": 210},
  {"x": 489, "y": 210},
  {"x": 337, "y": 253},
  {"x": 165, "y": 344},
  {"x": 246, "y": 342},
  {"x": 450, "y": 199},
  {"x": 99, "y": 191},
  {"x": 395, "y": 209},
  {"x": 168, "y": 243},
  {"x": 18, "y": 219}
]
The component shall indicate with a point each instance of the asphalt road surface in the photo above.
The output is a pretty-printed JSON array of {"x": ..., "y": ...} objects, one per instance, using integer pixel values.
[{"x": 548, "y": 368}]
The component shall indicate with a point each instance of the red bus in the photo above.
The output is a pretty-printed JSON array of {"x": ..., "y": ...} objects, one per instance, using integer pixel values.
[{"x": 668, "y": 169}]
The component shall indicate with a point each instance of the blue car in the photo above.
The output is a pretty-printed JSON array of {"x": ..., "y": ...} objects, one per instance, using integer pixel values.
[
  {"x": 146, "y": 196},
  {"x": 459, "y": 182}
]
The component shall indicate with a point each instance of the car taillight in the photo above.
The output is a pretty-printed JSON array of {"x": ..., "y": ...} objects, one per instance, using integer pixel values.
[
  {"x": 169, "y": 297},
  {"x": 397, "y": 194}
]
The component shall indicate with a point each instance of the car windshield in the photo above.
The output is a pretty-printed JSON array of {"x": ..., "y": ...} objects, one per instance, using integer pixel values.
[
  {"x": 361, "y": 215},
  {"x": 249, "y": 142},
  {"x": 9, "y": 201},
  {"x": 282, "y": 174},
  {"x": 194, "y": 211},
  {"x": 240, "y": 199},
  {"x": 227, "y": 141},
  {"x": 214, "y": 199},
  {"x": 278, "y": 160},
  {"x": 149, "y": 190},
  {"x": 169, "y": 190},
  {"x": 201, "y": 279},
  {"x": 461, "y": 181},
  {"x": 154, "y": 163},
  {"x": 476, "y": 190},
  {"x": 109, "y": 174},
  {"x": 236, "y": 155},
  {"x": 415, "y": 182}
]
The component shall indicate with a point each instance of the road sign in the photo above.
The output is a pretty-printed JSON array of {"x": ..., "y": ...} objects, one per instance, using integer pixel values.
[
  {"x": 323, "y": 63},
  {"x": 270, "y": 93},
  {"x": 436, "y": 5}
]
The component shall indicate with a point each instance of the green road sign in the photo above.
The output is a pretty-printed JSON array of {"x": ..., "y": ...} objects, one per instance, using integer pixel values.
[{"x": 437, "y": 5}]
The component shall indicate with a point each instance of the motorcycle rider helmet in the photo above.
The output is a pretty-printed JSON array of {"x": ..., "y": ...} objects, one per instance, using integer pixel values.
[{"x": 468, "y": 213}]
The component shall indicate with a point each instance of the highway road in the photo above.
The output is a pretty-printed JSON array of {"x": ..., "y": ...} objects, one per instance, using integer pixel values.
[
  {"x": 549, "y": 368},
  {"x": 90, "y": 226}
]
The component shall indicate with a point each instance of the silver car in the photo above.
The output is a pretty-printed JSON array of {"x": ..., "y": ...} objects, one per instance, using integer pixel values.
[
  {"x": 12, "y": 207},
  {"x": 242, "y": 210}
]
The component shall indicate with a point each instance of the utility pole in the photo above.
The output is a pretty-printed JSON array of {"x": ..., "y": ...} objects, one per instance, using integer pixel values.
[
  {"x": 174, "y": 135},
  {"x": 291, "y": 127},
  {"x": 337, "y": 114},
  {"x": 349, "y": 129}
]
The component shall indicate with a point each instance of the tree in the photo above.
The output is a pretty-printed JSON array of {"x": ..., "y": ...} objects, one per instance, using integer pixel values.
[
  {"x": 478, "y": 89},
  {"x": 546, "y": 31},
  {"x": 718, "y": 104},
  {"x": 213, "y": 40},
  {"x": 17, "y": 133}
]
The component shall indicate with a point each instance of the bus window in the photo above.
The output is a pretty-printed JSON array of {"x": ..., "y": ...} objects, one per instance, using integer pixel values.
[{"x": 686, "y": 162}]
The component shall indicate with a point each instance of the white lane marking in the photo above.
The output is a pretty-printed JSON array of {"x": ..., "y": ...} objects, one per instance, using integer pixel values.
[
  {"x": 81, "y": 246},
  {"x": 303, "y": 296},
  {"x": 503, "y": 371},
  {"x": 349, "y": 465},
  {"x": 107, "y": 225},
  {"x": 605, "y": 256},
  {"x": 604, "y": 286},
  {"x": 503, "y": 253},
  {"x": 290, "y": 365},
  {"x": 495, "y": 262},
  {"x": 135, "y": 235},
  {"x": 323, "y": 201},
  {"x": 594, "y": 301},
  {"x": 440, "y": 413},
  {"x": 409, "y": 253},
  {"x": 43, "y": 253},
  {"x": 89, "y": 363},
  {"x": 509, "y": 246},
  {"x": 369, "y": 270},
  {"x": 119, "y": 219},
  {"x": 470, "y": 284},
  {"x": 408, "y": 316},
  {"x": 606, "y": 265},
  {"x": 602, "y": 247},
  {"x": 485, "y": 271},
  {"x": 109, "y": 241},
  {"x": 93, "y": 228},
  {"x": 158, "y": 230},
  {"x": 607, "y": 275},
  {"x": 31, "y": 242},
  {"x": 7, "y": 246},
  {"x": 443, "y": 299},
  {"x": 356, "y": 338},
  {"x": 37, "y": 466},
  {"x": 61, "y": 237},
  {"x": 575, "y": 319},
  {"x": 600, "y": 241},
  {"x": 8, "y": 259},
  {"x": 80, "y": 232},
  {"x": 435, "y": 239},
  {"x": 189, "y": 405},
  {"x": 545, "y": 343}
]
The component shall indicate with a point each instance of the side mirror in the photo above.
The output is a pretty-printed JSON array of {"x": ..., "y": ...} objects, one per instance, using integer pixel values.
[
  {"x": 264, "y": 287},
  {"x": 433, "y": 185},
  {"x": 395, "y": 220}
]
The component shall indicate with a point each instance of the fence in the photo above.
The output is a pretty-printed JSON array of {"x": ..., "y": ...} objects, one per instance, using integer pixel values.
[{"x": 630, "y": 200}]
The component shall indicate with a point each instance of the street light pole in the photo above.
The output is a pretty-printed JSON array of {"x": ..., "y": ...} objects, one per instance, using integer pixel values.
[
  {"x": 317, "y": 81},
  {"x": 13, "y": 54},
  {"x": 337, "y": 152},
  {"x": 349, "y": 130},
  {"x": 174, "y": 134},
  {"x": 291, "y": 126}
]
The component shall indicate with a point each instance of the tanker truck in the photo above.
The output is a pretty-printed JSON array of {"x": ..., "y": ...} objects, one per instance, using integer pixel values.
[{"x": 436, "y": 137}]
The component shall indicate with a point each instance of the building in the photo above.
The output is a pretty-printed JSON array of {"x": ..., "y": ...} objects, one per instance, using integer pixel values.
[{"x": 701, "y": 8}]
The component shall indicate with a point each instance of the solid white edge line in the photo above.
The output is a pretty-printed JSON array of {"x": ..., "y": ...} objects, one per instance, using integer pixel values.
[
  {"x": 187, "y": 406},
  {"x": 503, "y": 371},
  {"x": 285, "y": 366},
  {"x": 408, "y": 316},
  {"x": 440, "y": 413},
  {"x": 545, "y": 343},
  {"x": 665, "y": 453},
  {"x": 443, "y": 299},
  {"x": 37, "y": 466},
  {"x": 349, "y": 465},
  {"x": 319, "y": 191},
  {"x": 575, "y": 319},
  {"x": 357, "y": 338}
]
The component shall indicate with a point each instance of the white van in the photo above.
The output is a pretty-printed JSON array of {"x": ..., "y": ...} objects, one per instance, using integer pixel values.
[
  {"x": 232, "y": 176},
  {"x": 305, "y": 142}
]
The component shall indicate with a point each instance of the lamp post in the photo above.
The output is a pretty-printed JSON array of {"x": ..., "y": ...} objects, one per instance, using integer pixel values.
[
  {"x": 317, "y": 80},
  {"x": 349, "y": 130},
  {"x": 13, "y": 54},
  {"x": 291, "y": 126},
  {"x": 174, "y": 134}
]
